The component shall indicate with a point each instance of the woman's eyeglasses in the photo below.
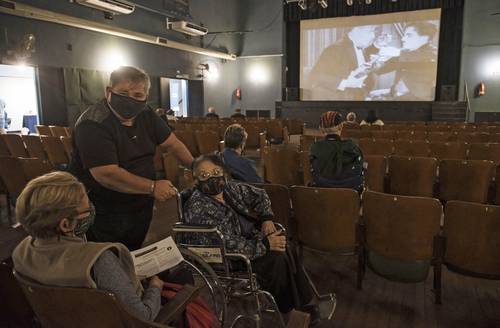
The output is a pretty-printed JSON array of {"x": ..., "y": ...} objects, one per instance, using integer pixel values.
[{"x": 202, "y": 176}]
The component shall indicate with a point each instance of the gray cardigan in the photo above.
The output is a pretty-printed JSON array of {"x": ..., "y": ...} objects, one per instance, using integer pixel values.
[{"x": 110, "y": 276}]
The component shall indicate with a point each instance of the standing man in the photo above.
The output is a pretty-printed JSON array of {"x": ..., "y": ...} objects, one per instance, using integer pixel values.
[{"x": 115, "y": 141}]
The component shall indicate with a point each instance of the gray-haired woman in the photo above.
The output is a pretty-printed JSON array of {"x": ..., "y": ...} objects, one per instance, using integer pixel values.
[{"x": 55, "y": 211}]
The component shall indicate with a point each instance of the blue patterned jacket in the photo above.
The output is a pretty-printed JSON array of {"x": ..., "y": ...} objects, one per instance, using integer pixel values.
[{"x": 239, "y": 219}]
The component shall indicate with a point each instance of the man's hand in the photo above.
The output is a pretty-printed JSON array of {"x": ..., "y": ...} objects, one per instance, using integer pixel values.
[
  {"x": 164, "y": 189},
  {"x": 268, "y": 227},
  {"x": 277, "y": 243}
]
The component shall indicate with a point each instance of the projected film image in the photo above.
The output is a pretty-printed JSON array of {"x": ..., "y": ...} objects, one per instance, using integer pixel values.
[{"x": 393, "y": 57}]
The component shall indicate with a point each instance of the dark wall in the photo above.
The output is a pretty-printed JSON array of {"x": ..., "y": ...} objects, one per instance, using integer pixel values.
[
  {"x": 450, "y": 34},
  {"x": 59, "y": 46},
  {"x": 481, "y": 56},
  {"x": 310, "y": 111},
  {"x": 258, "y": 76}
]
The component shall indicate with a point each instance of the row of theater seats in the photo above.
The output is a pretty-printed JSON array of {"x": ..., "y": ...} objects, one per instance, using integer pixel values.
[
  {"x": 55, "y": 150},
  {"x": 24, "y": 157},
  {"x": 439, "y": 150},
  {"x": 422, "y": 136},
  {"x": 273, "y": 126},
  {"x": 54, "y": 130},
  {"x": 447, "y": 179},
  {"x": 404, "y": 228},
  {"x": 429, "y": 127}
]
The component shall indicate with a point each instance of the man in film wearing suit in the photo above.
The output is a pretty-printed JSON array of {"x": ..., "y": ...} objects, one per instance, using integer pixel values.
[{"x": 342, "y": 71}]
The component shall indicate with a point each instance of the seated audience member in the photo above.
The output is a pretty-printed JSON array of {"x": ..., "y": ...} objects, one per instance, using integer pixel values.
[
  {"x": 171, "y": 115},
  {"x": 240, "y": 168},
  {"x": 56, "y": 212},
  {"x": 243, "y": 214},
  {"x": 211, "y": 113},
  {"x": 351, "y": 119},
  {"x": 336, "y": 163},
  {"x": 372, "y": 119},
  {"x": 237, "y": 114}
]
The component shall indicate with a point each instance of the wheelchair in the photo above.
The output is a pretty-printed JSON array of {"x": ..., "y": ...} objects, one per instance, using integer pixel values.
[{"x": 234, "y": 277}]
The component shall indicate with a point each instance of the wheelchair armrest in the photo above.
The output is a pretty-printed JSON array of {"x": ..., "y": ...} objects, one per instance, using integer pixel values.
[
  {"x": 192, "y": 227},
  {"x": 175, "y": 307},
  {"x": 244, "y": 258}
]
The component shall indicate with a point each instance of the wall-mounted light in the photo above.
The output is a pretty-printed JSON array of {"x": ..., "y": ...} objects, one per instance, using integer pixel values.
[
  {"x": 258, "y": 74},
  {"x": 349, "y": 2},
  {"x": 209, "y": 71},
  {"x": 112, "y": 59},
  {"x": 480, "y": 89},
  {"x": 323, "y": 3}
]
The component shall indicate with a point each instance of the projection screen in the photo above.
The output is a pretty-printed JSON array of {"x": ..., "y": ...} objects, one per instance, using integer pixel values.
[{"x": 370, "y": 58}]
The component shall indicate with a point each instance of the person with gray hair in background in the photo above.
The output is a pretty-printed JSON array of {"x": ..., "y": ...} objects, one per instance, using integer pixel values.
[
  {"x": 114, "y": 145},
  {"x": 241, "y": 168},
  {"x": 351, "y": 119}
]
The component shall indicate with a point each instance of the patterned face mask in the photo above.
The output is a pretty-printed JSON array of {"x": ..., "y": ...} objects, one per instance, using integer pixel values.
[
  {"x": 212, "y": 186},
  {"x": 83, "y": 225}
]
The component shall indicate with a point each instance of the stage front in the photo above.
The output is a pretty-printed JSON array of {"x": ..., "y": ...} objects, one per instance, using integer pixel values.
[{"x": 310, "y": 111}]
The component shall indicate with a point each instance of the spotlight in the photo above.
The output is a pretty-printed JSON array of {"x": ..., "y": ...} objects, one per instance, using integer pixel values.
[
  {"x": 368, "y": 2},
  {"x": 349, "y": 2},
  {"x": 323, "y": 3},
  {"x": 302, "y": 4}
]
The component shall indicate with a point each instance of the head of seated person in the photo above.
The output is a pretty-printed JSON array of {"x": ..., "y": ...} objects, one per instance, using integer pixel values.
[
  {"x": 351, "y": 118},
  {"x": 372, "y": 119},
  {"x": 235, "y": 138},
  {"x": 331, "y": 123},
  {"x": 240, "y": 168}
]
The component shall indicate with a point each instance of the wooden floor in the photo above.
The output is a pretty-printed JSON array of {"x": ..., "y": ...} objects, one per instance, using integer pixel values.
[{"x": 467, "y": 302}]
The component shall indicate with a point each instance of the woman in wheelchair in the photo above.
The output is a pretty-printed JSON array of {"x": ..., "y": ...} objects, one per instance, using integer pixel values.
[
  {"x": 55, "y": 211},
  {"x": 242, "y": 213}
]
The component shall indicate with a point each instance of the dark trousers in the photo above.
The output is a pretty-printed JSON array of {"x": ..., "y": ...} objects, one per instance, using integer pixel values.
[
  {"x": 126, "y": 227},
  {"x": 282, "y": 275}
]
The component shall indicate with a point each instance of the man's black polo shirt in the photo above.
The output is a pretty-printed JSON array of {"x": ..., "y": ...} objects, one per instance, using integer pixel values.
[{"x": 100, "y": 139}]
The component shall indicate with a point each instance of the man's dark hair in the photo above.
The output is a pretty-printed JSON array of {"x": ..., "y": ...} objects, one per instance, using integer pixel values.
[
  {"x": 424, "y": 28},
  {"x": 234, "y": 136},
  {"x": 214, "y": 158},
  {"x": 129, "y": 73},
  {"x": 371, "y": 117}
]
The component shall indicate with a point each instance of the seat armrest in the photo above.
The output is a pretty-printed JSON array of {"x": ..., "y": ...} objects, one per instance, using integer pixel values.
[{"x": 175, "y": 307}]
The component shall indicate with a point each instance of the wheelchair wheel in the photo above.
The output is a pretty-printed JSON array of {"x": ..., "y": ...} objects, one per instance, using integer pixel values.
[{"x": 212, "y": 291}]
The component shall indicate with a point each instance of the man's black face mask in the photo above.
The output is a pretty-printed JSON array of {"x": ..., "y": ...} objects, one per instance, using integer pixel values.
[{"x": 126, "y": 107}]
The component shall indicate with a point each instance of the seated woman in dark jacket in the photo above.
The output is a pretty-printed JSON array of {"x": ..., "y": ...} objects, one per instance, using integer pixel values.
[
  {"x": 335, "y": 162},
  {"x": 243, "y": 214}
]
